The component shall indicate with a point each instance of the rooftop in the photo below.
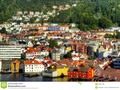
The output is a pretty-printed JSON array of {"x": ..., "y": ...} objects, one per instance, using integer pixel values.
[{"x": 31, "y": 62}]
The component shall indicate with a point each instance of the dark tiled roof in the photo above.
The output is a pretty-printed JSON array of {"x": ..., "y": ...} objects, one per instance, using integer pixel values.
[{"x": 84, "y": 69}]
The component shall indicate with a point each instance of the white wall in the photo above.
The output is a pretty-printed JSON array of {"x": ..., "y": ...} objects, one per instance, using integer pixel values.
[
  {"x": 34, "y": 68},
  {"x": 75, "y": 58},
  {"x": 30, "y": 56}
]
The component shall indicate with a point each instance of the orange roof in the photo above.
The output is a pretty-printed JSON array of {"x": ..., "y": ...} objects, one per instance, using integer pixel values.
[
  {"x": 49, "y": 34},
  {"x": 76, "y": 62},
  {"x": 66, "y": 61},
  {"x": 16, "y": 61},
  {"x": 82, "y": 61},
  {"x": 49, "y": 49},
  {"x": 40, "y": 31},
  {"x": 47, "y": 59},
  {"x": 31, "y": 62},
  {"x": 49, "y": 62},
  {"x": 32, "y": 50}
]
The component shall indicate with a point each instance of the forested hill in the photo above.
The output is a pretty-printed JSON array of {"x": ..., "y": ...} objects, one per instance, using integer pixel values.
[
  {"x": 29, "y": 5},
  {"x": 92, "y": 14},
  {"x": 9, "y": 7},
  {"x": 88, "y": 14}
]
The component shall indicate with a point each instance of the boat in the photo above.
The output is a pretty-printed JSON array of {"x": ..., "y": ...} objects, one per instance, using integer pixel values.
[{"x": 5, "y": 72}]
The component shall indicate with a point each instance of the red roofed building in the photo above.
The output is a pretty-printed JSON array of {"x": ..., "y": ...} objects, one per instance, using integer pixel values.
[
  {"x": 80, "y": 47},
  {"x": 32, "y": 52},
  {"x": 33, "y": 66},
  {"x": 64, "y": 27},
  {"x": 81, "y": 72}
]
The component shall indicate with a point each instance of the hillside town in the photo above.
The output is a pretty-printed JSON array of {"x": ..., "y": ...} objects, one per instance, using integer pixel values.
[
  {"x": 59, "y": 50},
  {"x": 31, "y": 16}
]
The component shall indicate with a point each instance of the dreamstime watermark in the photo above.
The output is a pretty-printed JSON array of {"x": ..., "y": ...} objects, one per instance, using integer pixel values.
[
  {"x": 3, "y": 85},
  {"x": 16, "y": 85}
]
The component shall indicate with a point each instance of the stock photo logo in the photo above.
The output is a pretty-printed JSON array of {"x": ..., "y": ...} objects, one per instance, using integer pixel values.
[{"x": 3, "y": 85}]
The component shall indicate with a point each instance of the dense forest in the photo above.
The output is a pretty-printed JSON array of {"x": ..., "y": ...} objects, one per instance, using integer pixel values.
[
  {"x": 92, "y": 14},
  {"x": 88, "y": 14}
]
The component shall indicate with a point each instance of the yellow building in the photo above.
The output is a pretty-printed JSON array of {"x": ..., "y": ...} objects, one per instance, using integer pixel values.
[
  {"x": 105, "y": 32},
  {"x": 56, "y": 72},
  {"x": 15, "y": 66},
  {"x": 62, "y": 71}
]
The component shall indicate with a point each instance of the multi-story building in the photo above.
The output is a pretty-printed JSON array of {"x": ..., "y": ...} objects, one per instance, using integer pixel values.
[
  {"x": 56, "y": 55},
  {"x": 80, "y": 47},
  {"x": 9, "y": 52},
  {"x": 15, "y": 66},
  {"x": 33, "y": 66}
]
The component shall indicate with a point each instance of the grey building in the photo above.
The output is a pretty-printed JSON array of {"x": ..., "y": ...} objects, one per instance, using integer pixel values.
[
  {"x": 9, "y": 52},
  {"x": 56, "y": 55}
]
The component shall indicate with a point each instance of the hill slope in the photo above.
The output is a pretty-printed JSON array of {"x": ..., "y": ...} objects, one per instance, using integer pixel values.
[
  {"x": 88, "y": 14},
  {"x": 91, "y": 14}
]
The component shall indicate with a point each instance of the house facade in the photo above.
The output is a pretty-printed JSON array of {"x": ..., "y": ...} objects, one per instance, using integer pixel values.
[
  {"x": 32, "y": 53},
  {"x": 56, "y": 55},
  {"x": 81, "y": 72},
  {"x": 55, "y": 71},
  {"x": 79, "y": 47},
  {"x": 15, "y": 66},
  {"x": 33, "y": 66}
]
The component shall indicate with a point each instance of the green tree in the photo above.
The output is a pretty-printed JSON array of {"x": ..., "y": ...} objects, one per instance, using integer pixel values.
[
  {"x": 91, "y": 58},
  {"x": 105, "y": 23},
  {"x": 53, "y": 43},
  {"x": 32, "y": 20},
  {"x": 3, "y": 30},
  {"x": 109, "y": 36},
  {"x": 118, "y": 35},
  {"x": 68, "y": 55}
]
